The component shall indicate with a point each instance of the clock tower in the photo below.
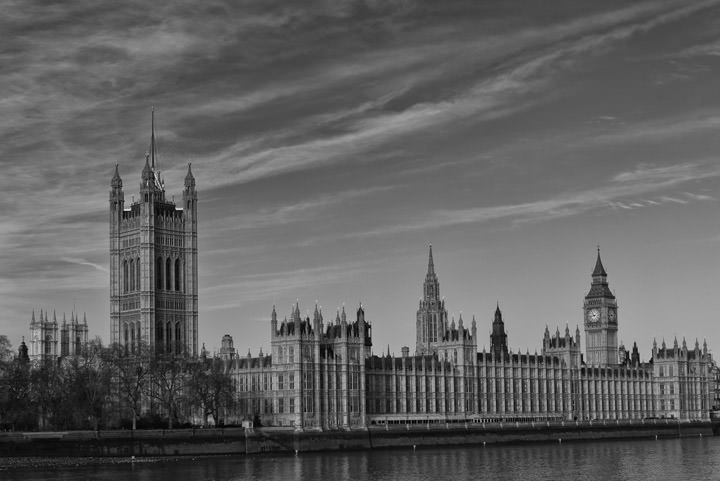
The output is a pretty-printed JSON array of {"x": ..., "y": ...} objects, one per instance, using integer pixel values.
[{"x": 600, "y": 313}]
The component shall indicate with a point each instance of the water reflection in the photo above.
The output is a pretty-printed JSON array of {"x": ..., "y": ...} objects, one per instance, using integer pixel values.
[{"x": 690, "y": 458}]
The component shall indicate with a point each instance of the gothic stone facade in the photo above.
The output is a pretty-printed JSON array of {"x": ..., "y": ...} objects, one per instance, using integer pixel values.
[
  {"x": 322, "y": 376},
  {"x": 50, "y": 340},
  {"x": 153, "y": 265}
]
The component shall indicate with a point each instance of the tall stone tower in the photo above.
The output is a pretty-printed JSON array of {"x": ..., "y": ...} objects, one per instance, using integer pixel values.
[
  {"x": 432, "y": 317},
  {"x": 153, "y": 265},
  {"x": 600, "y": 311}
]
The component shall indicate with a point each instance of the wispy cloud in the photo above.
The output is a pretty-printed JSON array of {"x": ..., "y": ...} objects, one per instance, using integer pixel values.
[
  {"x": 627, "y": 185},
  {"x": 83, "y": 262},
  {"x": 503, "y": 90},
  {"x": 278, "y": 286}
]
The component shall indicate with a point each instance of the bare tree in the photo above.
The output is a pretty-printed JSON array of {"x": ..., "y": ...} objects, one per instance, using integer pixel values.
[
  {"x": 210, "y": 388},
  {"x": 89, "y": 376},
  {"x": 6, "y": 351},
  {"x": 131, "y": 375},
  {"x": 17, "y": 409},
  {"x": 168, "y": 383}
]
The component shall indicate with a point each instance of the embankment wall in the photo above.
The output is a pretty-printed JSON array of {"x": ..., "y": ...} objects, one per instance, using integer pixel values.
[{"x": 188, "y": 442}]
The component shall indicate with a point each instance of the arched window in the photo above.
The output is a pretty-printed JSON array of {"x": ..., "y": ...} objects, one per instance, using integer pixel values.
[
  {"x": 168, "y": 338},
  {"x": 159, "y": 337},
  {"x": 137, "y": 274},
  {"x": 139, "y": 338},
  {"x": 125, "y": 337},
  {"x": 132, "y": 275},
  {"x": 168, "y": 274},
  {"x": 178, "y": 338},
  {"x": 158, "y": 273},
  {"x": 177, "y": 274},
  {"x": 132, "y": 337},
  {"x": 125, "y": 276}
]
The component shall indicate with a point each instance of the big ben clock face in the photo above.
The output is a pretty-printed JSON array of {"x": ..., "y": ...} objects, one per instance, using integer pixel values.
[{"x": 593, "y": 315}]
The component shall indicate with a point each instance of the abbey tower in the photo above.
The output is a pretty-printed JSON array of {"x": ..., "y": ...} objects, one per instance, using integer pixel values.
[{"x": 153, "y": 265}]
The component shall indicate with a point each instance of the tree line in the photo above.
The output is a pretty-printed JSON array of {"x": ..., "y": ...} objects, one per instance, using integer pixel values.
[{"x": 110, "y": 388}]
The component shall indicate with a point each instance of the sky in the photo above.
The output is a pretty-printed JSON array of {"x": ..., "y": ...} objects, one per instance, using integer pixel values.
[{"x": 333, "y": 140}]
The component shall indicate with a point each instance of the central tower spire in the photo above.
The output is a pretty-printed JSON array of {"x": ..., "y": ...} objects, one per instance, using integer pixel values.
[
  {"x": 431, "y": 264},
  {"x": 432, "y": 318}
]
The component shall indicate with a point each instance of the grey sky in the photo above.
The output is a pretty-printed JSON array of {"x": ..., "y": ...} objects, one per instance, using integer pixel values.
[{"x": 333, "y": 140}]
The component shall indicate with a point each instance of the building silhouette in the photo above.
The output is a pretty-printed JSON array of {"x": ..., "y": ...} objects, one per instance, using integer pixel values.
[
  {"x": 153, "y": 264},
  {"x": 324, "y": 376}
]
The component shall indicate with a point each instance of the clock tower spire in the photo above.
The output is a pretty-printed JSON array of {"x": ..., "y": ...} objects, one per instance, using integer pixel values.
[{"x": 600, "y": 312}]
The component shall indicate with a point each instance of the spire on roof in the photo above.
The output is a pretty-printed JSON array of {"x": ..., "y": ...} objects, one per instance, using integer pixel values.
[
  {"x": 85, "y": 318},
  {"x": 599, "y": 269},
  {"x": 33, "y": 315},
  {"x": 152, "y": 137},
  {"x": 431, "y": 264},
  {"x": 498, "y": 313},
  {"x": 189, "y": 177}
]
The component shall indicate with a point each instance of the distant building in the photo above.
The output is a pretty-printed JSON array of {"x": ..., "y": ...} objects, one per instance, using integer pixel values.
[
  {"x": 324, "y": 375},
  {"x": 153, "y": 265},
  {"x": 50, "y": 341}
]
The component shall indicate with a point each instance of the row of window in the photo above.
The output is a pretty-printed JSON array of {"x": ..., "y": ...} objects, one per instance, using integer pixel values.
[{"x": 168, "y": 275}]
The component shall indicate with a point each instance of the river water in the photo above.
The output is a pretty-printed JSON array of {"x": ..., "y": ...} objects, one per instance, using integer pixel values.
[{"x": 669, "y": 459}]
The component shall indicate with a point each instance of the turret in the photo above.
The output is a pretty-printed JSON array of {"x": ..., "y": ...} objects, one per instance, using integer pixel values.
[
  {"x": 189, "y": 193},
  {"x": 635, "y": 356},
  {"x": 498, "y": 338},
  {"x": 23, "y": 351},
  {"x": 117, "y": 198},
  {"x": 273, "y": 321}
]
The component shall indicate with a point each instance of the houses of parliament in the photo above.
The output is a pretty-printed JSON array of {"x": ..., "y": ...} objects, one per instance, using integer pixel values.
[{"x": 321, "y": 373}]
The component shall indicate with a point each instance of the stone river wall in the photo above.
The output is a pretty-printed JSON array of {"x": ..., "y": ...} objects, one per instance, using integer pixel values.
[{"x": 229, "y": 441}]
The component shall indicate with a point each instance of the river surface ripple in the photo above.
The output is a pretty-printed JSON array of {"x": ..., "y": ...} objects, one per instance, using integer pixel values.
[{"x": 668, "y": 459}]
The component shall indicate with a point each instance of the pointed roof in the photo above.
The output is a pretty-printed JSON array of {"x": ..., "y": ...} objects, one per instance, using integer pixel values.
[
  {"x": 498, "y": 313},
  {"x": 116, "y": 182},
  {"x": 189, "y": 177},
  {"x": 147, "y": 172},
  {"x": 431, "y": 263},
  {"x": 599, "y": 286},
  {"x": 599, "y": 269}
]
